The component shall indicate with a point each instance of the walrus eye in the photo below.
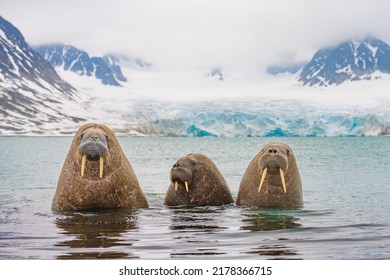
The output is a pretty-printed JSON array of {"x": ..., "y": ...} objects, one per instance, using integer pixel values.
[{"x": 193, "y": 162}]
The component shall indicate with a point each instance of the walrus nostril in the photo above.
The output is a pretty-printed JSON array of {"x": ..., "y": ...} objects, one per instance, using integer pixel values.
[
  {"x": 94, "y": 138},
  {"x": 272, "y": 151},
  {"x": 176, "y": 165}
]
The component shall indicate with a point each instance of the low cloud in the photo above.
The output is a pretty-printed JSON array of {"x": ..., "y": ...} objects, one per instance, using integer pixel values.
[{"x": 180, "y": 35}]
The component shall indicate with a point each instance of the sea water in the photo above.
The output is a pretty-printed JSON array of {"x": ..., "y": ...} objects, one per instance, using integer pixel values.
[{"x": 346, "y": 190}]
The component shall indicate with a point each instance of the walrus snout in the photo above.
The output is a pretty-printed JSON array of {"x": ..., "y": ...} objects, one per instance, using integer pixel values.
[
  {"x": 273, "y": 164},
  {"x": 94, "y": 147},
  {"x": 182, "y": 176},
  {"x": 273, "y": 161}
]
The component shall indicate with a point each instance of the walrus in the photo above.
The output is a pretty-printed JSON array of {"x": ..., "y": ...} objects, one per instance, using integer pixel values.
[
  {"x": 196, "y": 181},
  {"x": 97, "y": 174},
  {"x": 271, "y": 179}
]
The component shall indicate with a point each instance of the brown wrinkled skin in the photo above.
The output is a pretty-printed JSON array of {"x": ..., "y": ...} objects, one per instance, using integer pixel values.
[
  {"x": 119, "y": 186},
  {"x": 271, "y": 193},
  {"x": 207, "y": 188}
]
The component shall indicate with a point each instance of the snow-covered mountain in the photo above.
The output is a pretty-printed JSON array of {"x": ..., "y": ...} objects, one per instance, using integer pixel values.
[
  {"x": 32, "y": 95},
  {"x": 20, "y": 62},
  {"x": 142, "y": 63},
  {"x": 70, "y": 58},
  {"x": 285, "y": 69},
  {"x": 363, "y": 59},
  {"x": 35, "y": 100},
  {"x": 113, "y": 62},
  {"x": 216, "y": 72}
]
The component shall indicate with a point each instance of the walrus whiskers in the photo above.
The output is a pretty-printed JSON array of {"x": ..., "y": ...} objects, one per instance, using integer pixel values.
[
  {"x": 283, "y": 181},
  {"x": 262, "y": 179},
  {"x": 83, "y": 161}
]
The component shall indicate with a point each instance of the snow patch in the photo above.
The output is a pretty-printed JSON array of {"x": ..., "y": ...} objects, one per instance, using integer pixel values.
[{"x": 372, "y": 49}]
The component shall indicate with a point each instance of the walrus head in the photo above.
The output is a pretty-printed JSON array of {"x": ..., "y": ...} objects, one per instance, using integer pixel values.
[
  {"x": 274, "y": 162},
  {"x": 182, "y": 172},
  {"x": 93, "y": 147}
]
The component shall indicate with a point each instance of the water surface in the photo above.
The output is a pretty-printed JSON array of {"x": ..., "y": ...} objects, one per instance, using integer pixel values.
[{"x": 346, "y": 184}]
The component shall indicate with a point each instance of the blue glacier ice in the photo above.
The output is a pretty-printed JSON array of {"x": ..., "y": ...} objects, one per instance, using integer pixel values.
[
  {"x": 283, "y": 119},
  {"x": 193, "y": 130}
]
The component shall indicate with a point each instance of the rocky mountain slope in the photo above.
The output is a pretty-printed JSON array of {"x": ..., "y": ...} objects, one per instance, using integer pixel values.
[
  {"x": 364, "y": 59},
  {"x": 69, "y": 58},
  {"x": 32, "y": 95}
]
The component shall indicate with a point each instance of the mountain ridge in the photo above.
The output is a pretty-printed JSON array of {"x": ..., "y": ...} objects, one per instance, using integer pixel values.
[
  {"x": 352, "y": 60},
  {"x": 72, "y": 59},
  {"x": 34, "y": 100},
  {"x": 32, "y": 95}
]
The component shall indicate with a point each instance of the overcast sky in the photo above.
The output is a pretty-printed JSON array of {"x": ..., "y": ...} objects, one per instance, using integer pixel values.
[{"x": 185, "y": 34}]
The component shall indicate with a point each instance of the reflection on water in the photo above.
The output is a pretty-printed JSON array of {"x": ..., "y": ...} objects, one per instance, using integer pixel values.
[
  {"x": 258, "y": 220},
  {"x": 195, "y": 219},
  {"x": 97, "y": 234},
  {"x": 345, "y": 215},
  {"x": 274, "y": 252},
  {"x": 192, "y": 225},
  {"x": 197, "y": 232}
]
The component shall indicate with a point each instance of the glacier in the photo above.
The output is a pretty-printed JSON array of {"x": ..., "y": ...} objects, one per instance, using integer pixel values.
[
  {"x": 209, "y": 101},
  {"x": 158, "y": 104},
  {"x": 241, "y": 120}
]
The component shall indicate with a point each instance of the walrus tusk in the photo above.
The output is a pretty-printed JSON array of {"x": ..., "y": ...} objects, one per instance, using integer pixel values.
[
  {"x": 83, "y": 161},
  {"x": 283, "y": 181},
  {"x": 186, "y": 183},
  {"x": 176, "y": 186},
  {"x": 262, "y": 179},
  {"x": 101, "y": 167}
]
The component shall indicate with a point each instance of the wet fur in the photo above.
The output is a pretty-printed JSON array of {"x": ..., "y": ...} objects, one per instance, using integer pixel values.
[
  {"x": 119, "y": 186},
  {"x": 208, "y": 186},
  {"x": 271, "y": 194}
]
